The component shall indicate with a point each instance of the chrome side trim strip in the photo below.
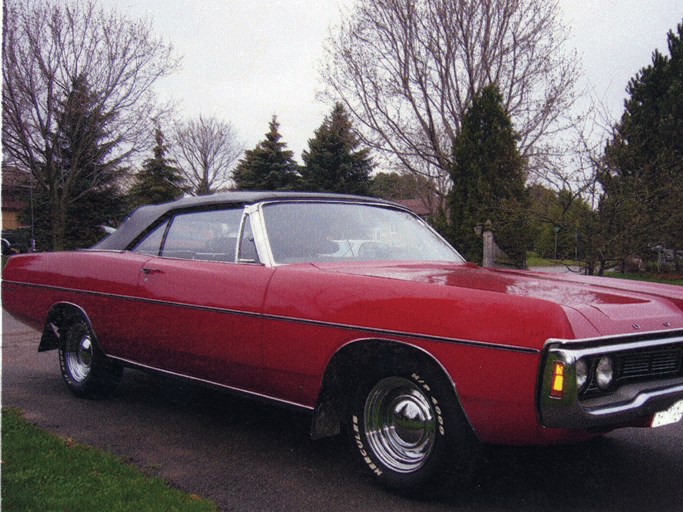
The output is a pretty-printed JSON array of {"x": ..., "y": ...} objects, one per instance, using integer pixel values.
[
  {"x": 319, "y": 323},
  {"x": 232, "y": 389}
]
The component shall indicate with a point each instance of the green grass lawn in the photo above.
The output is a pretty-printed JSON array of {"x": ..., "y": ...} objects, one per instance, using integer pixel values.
[
  {"x": 534, "y": 260},
  {"x": 652, "y": 278},
  {"x": 42, "y": 472}
]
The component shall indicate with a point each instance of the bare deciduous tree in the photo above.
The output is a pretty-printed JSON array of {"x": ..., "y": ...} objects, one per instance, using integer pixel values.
[
  {"x": 205, "y": 150},
  {"x": 574, "y": 174},
  {"x": 48, "y": 46},
  {"x": 408, "y": 70}
]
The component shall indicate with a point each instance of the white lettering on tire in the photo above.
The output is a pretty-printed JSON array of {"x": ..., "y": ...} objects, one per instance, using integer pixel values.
[
  {"x": 361, "y": 448},
  {"x": 439, "y": 418}
]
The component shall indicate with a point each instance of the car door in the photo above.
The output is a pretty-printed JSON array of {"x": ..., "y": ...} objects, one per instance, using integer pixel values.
[{"x": 202, "y": 311}]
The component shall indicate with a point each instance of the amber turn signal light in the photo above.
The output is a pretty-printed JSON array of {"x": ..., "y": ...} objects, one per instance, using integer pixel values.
[{"x": 557, "y": 388}]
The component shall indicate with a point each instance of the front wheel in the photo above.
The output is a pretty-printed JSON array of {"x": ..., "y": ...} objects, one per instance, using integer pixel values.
[
  {"x": 87, "y": 372},
  {"x": 407, "y": 425}
]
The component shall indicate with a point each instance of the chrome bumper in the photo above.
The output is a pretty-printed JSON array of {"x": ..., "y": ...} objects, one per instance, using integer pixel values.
[{"x": 629, "y": 402}]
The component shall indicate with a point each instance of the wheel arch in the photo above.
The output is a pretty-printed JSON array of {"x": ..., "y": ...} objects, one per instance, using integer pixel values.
[
  {"x": 348, "y": 365},
  {"x": 58, "y": 317}
]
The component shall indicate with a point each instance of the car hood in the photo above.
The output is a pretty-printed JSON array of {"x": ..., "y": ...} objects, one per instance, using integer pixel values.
[{"x": 594, "y": 305}]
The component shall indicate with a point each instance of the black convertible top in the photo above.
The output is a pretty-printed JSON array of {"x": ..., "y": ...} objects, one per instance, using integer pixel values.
[{"x": 145, "y": 216}]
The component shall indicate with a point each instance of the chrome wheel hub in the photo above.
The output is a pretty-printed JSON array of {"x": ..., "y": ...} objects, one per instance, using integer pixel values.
[
  {"x": 400, "y": 424},
  {"x": 79, "y": 356}
]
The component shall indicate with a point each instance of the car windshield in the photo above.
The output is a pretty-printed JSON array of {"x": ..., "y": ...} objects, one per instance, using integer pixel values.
[{"x": 330, "y": 232}]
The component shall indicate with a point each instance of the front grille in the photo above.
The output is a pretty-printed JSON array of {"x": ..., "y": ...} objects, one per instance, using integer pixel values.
[
  {"x": 658, "y": 362},
  {"x": 640, "y": 365}
]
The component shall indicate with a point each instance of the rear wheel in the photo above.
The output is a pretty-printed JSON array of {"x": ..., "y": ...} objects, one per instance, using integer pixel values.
[
  {"x": 87, "y": 372},
  {"x": 407, "y": 427}
]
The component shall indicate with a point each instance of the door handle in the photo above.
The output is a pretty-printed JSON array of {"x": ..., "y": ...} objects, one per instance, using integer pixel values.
[{"x": 147, "y": 271}]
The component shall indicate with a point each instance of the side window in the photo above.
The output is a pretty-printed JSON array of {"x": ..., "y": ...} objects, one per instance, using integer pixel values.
[
  {"x": 206, "y": 235},
  {"x": 151, "y": 244},
  {"x": 248, "y": 253}
]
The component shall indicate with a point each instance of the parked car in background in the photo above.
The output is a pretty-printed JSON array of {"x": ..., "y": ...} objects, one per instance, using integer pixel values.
[
  {"x": 355, "y": 311},
  {"x": 16, "y": 241},
  {"x": 667, "y": 259}
]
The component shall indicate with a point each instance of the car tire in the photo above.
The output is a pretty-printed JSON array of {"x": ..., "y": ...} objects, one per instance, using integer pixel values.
[
  {"x": 86, "y": 370},
  {"x": 409, "y": 429}
]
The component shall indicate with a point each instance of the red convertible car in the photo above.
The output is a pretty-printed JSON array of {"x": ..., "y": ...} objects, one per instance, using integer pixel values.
[{"x": 354, "y": 310}]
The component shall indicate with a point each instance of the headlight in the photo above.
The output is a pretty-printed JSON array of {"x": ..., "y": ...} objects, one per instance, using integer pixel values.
[
  {"x": 581, "y": 369},
  {"x": 604, "y": 373}
]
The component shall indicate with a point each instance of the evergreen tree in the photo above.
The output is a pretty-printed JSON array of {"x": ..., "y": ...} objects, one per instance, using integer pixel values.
[
  {"x": 333, "y": 162},
  {"x": 84, "y": 194},
  {"x": 643, "y": 173},
  {"x": 77, "y": 100},
  {"x": 488, "y": 180},
  {"x": 158, "y": 181},
  {"x": 269, "y": 166}
]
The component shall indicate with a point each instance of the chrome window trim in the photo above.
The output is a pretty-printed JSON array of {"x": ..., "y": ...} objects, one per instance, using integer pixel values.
[
  {"x": 258, "y": 228},
  {"x": 262, "y": 237}
]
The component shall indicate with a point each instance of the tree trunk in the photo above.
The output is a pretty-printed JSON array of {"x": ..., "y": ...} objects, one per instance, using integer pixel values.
[
  {"x": 58, "y": 221},
  {"x": 601, "y": 269}
]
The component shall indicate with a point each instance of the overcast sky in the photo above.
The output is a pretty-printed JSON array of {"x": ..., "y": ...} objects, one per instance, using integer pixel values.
[{"x": 247, "y": 60}]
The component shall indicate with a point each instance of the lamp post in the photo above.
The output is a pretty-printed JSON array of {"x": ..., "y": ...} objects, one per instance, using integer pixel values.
[
  {"x": 485, "y": 231},
  {"x": 33, "y": 223},
  {"x": 556, "y": 229}
]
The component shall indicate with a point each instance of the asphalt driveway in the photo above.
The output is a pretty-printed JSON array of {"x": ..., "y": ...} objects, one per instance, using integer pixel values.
[{"x": 247, "y": 456}]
